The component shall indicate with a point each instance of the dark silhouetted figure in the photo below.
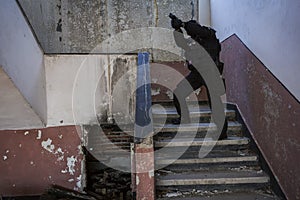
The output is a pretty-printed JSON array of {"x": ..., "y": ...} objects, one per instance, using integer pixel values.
[{"x": 206, "y": 37}]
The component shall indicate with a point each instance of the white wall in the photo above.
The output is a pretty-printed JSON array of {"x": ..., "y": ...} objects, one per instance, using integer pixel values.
[
  {"x": 79, "y": 88},
  {"x": 269, "y": 28},
  {"x": 21, "y": 56}
]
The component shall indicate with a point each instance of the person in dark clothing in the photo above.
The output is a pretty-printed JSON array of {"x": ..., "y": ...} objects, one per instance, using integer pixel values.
[{"x": 207, "y": 39}]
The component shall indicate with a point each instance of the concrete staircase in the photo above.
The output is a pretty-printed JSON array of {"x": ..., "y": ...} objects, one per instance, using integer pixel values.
[{"x": 230, "y": 170}]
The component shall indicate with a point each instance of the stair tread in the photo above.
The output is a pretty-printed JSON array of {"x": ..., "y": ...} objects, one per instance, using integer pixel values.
[
  {"x": 162, "y": 160},
  {"x": 192, "y": 126},
  {"x": 198, "y": 111},
  {"x": 201, "y": 141},
  {"x": 225, "y": 196},
  {"x": 212, "y": 154},
  {"x": 215, "y": 177}
]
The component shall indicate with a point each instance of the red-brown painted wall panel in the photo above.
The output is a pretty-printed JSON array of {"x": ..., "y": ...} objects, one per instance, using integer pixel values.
[
  {"x": 270, "y": 111},
  {"x": 33, "y": 160}
]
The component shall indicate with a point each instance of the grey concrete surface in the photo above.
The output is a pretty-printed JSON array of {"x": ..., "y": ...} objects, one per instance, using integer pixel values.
[
  {"x": 15, "y": 112},
  {"x": 67, "y": 26}
]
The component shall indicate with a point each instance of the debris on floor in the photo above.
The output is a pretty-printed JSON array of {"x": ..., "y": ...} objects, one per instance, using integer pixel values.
[
  {"x": 112, "y": 184},
  {"x": 60, "y": 193}
]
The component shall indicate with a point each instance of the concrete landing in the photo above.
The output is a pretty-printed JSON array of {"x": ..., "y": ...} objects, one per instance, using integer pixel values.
[{"x": 15, "y": 112}]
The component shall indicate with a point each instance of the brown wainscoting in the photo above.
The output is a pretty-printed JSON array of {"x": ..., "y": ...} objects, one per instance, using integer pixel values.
[
  {"x": 270, "y": 111},
  {"x": 32, "y": 160}
]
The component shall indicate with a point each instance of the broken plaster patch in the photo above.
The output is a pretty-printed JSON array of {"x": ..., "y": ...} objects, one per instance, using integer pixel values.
[
  {"x": 154, "y": 80},
  {"x": 78, "y": 183},
  {"x": 5, "y": 157},
  {"x": 48, "y": 145},
  {"x": 151, "y": 173},
  {"x": 155, "y": 92},
  {"x": 169, "y": 94},
  {"x": 71, "y": 164},
  {"x": 197, "y": 92},
  {"x": 39, "y": 136},
  {"x": 60, "y": 154}
]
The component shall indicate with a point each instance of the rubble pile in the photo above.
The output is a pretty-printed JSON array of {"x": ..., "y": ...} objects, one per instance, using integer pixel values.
[{"x": 112, "y": 184}]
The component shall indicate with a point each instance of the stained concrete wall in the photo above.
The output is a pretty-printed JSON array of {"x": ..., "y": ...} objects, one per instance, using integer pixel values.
[
  {"x": 82, "y": 89},
  {"x": 67, "y": 26},
  {"x": 269, "y": 28},
  {"x": 271, "y": 113},
  {"x": 21, "y": 57}
]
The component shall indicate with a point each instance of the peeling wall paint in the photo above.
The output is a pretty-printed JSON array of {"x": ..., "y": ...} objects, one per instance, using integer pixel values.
[
  {"x": 31, "y": 163},
  {"x": 71, "y": 164}
]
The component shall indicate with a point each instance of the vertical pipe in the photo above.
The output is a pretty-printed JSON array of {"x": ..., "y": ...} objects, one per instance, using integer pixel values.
[{"x": 142, "y": 153}]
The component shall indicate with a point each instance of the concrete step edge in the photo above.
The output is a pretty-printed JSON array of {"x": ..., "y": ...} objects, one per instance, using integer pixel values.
[
  {"x": 193, "y": 127},
  {"x": 201, "y": 142},
  {"x": 207, "y": 160},
  {"x": 193, "y": 113},
  {"x": 214, "y": 181}
]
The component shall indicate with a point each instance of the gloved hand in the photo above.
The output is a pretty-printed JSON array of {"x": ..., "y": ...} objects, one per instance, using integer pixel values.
[{"x": 176, "y": 24}]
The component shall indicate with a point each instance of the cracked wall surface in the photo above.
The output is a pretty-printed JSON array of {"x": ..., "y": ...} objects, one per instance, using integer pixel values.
[{"x": 67, "y": 26}]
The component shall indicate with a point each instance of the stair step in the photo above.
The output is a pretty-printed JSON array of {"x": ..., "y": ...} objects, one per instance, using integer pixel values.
[
  {"x": 194, "y": 111},
  {"x": 213, "y": 178},
  {"x": 205, "y": 195},
  {"x": 222, "y": 153},
  {"x": 201, "y": 142},
  {"x": 192, "y": 127},
  {"x": 207, "y": 160}
]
